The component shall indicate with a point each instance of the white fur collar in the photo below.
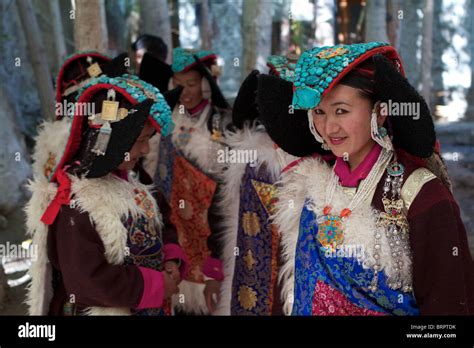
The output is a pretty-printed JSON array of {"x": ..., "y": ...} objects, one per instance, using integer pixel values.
[
  {"x": 249, "y": 138},
  {"x": 50, "y": 144},
  {"x": 200, "y": 149},
  {"x": 108, "y": 201}
]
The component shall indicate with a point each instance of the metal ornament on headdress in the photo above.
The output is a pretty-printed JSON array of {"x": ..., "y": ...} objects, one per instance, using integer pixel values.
[
  {"x": 94, "y": 69},
  {"x": 110, "y": 111}
]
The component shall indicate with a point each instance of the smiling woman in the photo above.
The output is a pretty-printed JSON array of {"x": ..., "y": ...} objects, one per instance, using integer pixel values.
[
  {"x": 189, "y": 172},
  {"x": 379, "y": 196},
  {"x": 343, "y": 120}
]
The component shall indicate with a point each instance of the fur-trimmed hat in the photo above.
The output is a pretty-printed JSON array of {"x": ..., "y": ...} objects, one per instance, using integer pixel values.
[
  {"x": 319, "y": 69},
  {"x": 283, "y": 66},
  {"x": 185, "y": 59},
  {"x": 99, "y": 138},
  {"x": 268, "y": 99},
  {"x": 245, "y": 107},
  {"x": 155, "y": 71},
  {"x": 80, "y": 68}
]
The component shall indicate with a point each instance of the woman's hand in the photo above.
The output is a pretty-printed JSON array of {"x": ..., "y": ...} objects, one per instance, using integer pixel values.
[
  {"x": 171, "y": 286},
  {"x": 172, "y": 268},
  {"x": 212, "y": 294}
]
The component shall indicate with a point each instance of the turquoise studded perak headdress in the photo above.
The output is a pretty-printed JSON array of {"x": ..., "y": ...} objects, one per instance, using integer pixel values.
[
  {"x": 321, "y": 68},
  {"x": 283, "y": 67},
  {"x": 183, "y": 59},
  {"x": 130, "y": 88},
  {"x": 160, "y": 112}
]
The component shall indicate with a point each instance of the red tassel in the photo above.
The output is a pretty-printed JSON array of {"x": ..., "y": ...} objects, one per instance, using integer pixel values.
[{"x": 63, "y": 197}]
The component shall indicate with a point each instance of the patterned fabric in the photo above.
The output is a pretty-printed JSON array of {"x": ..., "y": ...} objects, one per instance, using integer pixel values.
[
  {"x": 184, "y": 58},
  {"x": 191, "y": 196},
  {"x": 144, "y": 242},
  {"x": 329, "y": 301},
  {"x": 321, "y": 67},
  {"x": 164, "y": 172},
  {"x": 257, "y": 241},
  {"x": 342, "y": 280}
]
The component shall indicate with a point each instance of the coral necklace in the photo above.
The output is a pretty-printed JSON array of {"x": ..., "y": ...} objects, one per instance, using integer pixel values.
[{"x": 330, "y": 226}]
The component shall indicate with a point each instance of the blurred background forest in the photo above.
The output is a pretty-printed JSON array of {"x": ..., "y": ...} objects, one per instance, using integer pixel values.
[{"x": 434, "y": 37}]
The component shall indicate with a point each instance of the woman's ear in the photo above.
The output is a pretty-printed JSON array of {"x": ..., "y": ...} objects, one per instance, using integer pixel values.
[{"x": 382, "y": 113}]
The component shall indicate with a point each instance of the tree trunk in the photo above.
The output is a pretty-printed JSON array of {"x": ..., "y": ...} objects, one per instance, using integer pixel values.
[
  {"x": 66, "y": 8},
  {"x": 393, "y": 26},
  {"x": 132, "y": 26},
  {"x": 37, "y": 55},
  {"x": 257, "y": 25},
  {"x": 281, "y": 27},
  {"x": 427, "y": 51},
  {"x": 344, "y": 17},
  {"x": 58, "y": 32},
  {"x": 175, "y": 23},
  {"x": 227, "y": 42},
  {"x": 376, "y": 21},
  {"x": 156, "y": 21},
  {"x": 14, "y": 162},
  {"x": 439, "y": 46},
  {"x": 43, "y": 16},
  {"x": 204, "y": 27},
  {"x": 410, "y": 34},
  {"x": 314, "y": 24},
  {"x": 285, "y": 33},
  {"x": 90, "y": 27},
  {"x": 469, "y": 115},
  {"x": 324, "y": 13},
  {"x": 116, "y": 19}
]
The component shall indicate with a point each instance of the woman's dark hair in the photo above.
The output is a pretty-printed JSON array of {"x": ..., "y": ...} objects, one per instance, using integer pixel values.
[
  {"x": 362, "y": 78},
  {"x": 152, "y": 44}
]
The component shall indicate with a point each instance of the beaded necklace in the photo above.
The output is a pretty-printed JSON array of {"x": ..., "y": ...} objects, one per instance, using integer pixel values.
[
  {"x": 393, "y": 220},
  {"x": 330, "y": 226}
]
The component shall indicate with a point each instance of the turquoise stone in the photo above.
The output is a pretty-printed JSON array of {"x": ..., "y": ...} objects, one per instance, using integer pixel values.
[
  {"x": 306, "y": 97},
  {"x": 318, "y": 67},
  {"x": 183, "y": 58},
  {"x": 311, "y": 80}
]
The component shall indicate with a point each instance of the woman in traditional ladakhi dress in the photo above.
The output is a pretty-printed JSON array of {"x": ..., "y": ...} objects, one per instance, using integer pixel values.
[
  {"x": 187, "y": 170},
  {"x": 105, "y": 245},
  {"x": 377, "y": 233},
  {"x": 251, "y": 241}
]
